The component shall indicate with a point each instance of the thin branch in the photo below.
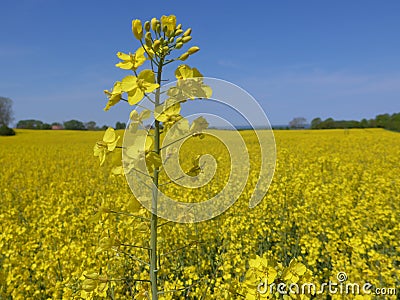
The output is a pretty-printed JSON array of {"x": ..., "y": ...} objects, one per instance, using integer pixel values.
[
  {"x": 142, "y": 280},
  {"x": 182, "y": 289},
  {"x": 179, "y": 178},
  {"x": 138, "y": 105},
  {"x": 129, "y": 215},
  {"x": 173, "y": 180},
  {"x": 141, "y": 172},
  {"x": 134, "y": 246},
  {"x": 165, "y": 223},
  {"x": 148, "y": 98},
  {"x": 176, "y": 250},
  {"x": 135, "y": 258},
  {"x": 170, "y": 61},
  {"x": 151, "y": 59},
  {"x": 182, "y": 138}
]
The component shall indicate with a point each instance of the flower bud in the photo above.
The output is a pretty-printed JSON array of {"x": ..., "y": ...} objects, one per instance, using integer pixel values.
[
  {"x": 179, "y": 39},
  {"x": 154, "y": 23},
  {"x": 178, "y": 32},
  {"x": 193, "y": 50},
  {"x": 137, "y": 29},
  {"x": 179, "y": 26},
  {"x": 178, "y": 45},
  {"x": 165, "y": 49},
  {"x": 147, "y": 26},
  {"x": 156, "y": 45},
  {"x": 158, "y": 27},
  {"x": 187, "y": 32},
  {"x": 147, "y": 39},
  {"x": 186, "y": 39},
  {"x": 171, "y": 39},
  {"x": 184, "y": 56}
]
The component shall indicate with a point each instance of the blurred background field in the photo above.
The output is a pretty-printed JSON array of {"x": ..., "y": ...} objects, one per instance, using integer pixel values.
[{"x": 333, "y": 204}]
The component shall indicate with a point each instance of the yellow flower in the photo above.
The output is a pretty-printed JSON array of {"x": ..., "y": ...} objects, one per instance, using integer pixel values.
[
  {"x": 168, "y": 23},
  {"x": 198, "y": 125},
  {"x": 196, "y": 168},
  {"x": 189, "y": 89},
  {"x": 106, "y": 145},
  {"x": 114, "y": 96},
  {"x": 184, "y": 72},
  {"x": 137, "y": 119},
  {"x": 166, "y": 111},
  {"x": 137, "y": 29},
  {"x": 131, "y": 61},
  {"x": 294, "y": 271},
  {"x": 136, "y": 87}
]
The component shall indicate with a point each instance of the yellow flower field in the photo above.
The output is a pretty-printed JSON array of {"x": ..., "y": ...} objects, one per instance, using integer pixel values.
[{"x": 69, "y": 229}]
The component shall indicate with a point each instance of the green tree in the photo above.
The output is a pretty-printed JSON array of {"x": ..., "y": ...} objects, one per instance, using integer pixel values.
[
  {"x": 4, "y": 130},
  {"x": 394, "y": 122},
  {"x": 120, "y": 125},
  {"x": 364, "y": 123},
  {"x": 74, "y": 125},
  {"x": 45, "y": 126},
  {"x": 91, "y": 125},
  {"x": 315, "y": 123},
  {"x": 382, "y": 121},
  {"x": 30, "y": 124}
]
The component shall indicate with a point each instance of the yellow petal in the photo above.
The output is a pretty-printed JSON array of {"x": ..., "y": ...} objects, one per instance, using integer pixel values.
[
  {"x": 207, "y": 91},
  {"x": 145, "y": 114},
  {"x": 125, "y": 65},
  {"x": 151, "y": 87},
  {"x": 114, "y": 99},
  {"x": 111, "y": 146},
  {"x": 147, "y": 75},
  {"x": 196, "y": 73},
  {"x": 135, "y": 96},
  {"x": 139, "y": 58},
  {"x": 117, "y": 88},
  {"x": 134, "y": 116},
  {"x": 123, "y": 56},
  {"x": 154, "y": 160},
  {"x": 199, "y": 125},
  {"x": 109, "y": 135},
  {"x": 129, "y": 83},
  {"x": 168, "y": 22}
]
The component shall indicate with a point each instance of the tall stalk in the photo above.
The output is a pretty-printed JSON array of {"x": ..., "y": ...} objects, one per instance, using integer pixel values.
[
  {"x": 153, "y": 222},
  {"x": 158, "y": 38}
]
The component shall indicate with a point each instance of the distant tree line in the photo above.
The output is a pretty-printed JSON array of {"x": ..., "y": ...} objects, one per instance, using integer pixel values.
[
  {"x": 67, "y": 125},
  {"x": 387, "y": 121}
]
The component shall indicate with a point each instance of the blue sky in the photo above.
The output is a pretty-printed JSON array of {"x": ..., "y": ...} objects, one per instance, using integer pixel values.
[{"x": 337, "y": 59}]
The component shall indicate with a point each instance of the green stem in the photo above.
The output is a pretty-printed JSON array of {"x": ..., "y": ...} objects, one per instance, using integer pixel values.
[{"x": 153, "y": 221}]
